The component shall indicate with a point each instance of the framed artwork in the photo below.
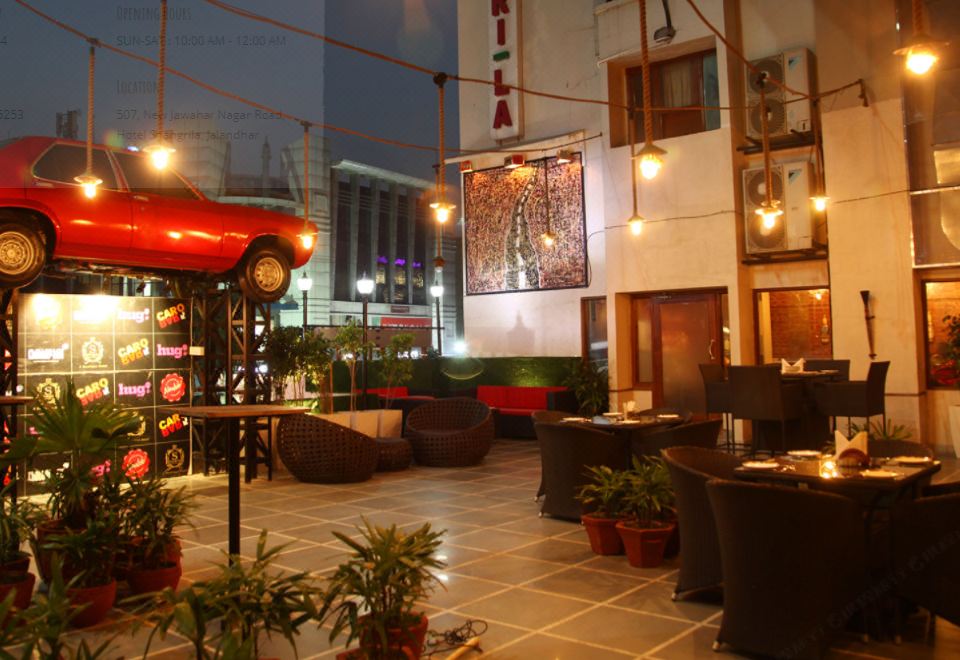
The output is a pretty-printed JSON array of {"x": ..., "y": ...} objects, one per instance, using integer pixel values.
[{"x": 508, "y": 213}]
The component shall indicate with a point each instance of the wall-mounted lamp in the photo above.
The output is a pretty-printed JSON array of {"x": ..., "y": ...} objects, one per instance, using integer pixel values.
[
  {"x": 564, "y": 156},
  {"x": 513, "y": 161}
]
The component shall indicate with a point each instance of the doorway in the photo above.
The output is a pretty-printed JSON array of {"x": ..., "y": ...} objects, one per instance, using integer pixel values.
[{"x": 674, "y": 334}]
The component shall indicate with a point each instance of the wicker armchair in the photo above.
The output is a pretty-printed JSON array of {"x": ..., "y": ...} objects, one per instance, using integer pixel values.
[
  {"x": 690, "y": 470},
  {"x": 453, "y": 432},
  {"x": 317, "y": 451}
]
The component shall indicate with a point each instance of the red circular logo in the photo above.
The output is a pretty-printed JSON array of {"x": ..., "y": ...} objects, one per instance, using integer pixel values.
[
  {"x": 173, "y": 387},
  {"x": 136, "y": 463}
]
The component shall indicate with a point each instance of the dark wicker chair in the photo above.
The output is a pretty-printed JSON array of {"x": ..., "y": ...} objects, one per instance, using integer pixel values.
[
  {"x": 546, "y": 417},
  {"x": 452, "y": 432},
  {"x": 566, "y": 450},
  {"x": 927, "y": 555},
  {"x": 719, "y": 396},
  {"x": 855, "y": 398},
  {"x": 840, "y": 366},
  {"x": 695, "y": 434},
  {"x": 394, "y": 454},
  {"x": 760, "y": 395},
  {"x": 690, "y": 470},
  {"x": 794, "y": 562},
  {"x": 317, "y": 451}
]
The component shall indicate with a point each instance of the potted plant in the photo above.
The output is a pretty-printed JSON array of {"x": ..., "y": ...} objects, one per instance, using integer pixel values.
[
  {"x": 604, "y": 496},
  {"x": 350, "y": 346},
  {"x": 395, "y": 363},
  {"x": 17, "y": 518},
  {"x": 590, "y": 384},
  {"x": 283, "y": 347},
  {"x": 649, "y": 498},
  {"x": 88, "y": 556},
  {"x": 317, "y": 362},
  {"x": 372, "y": 595},
  {"x": 246, "y": 598},
  {"x": 154, "y": 550}
]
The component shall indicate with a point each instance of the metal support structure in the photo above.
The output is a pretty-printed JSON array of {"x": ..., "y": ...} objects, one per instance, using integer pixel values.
[
  {"x": 366, "y": 352},
  {"x": 439, "y": 327},
  {"x": 9, "y": 413},
  {"x": 303, "y": 332},
  {"x": 231, "y": 330}
]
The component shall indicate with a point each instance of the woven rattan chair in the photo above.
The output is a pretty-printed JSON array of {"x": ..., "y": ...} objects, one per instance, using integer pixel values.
[
  {"x": 719, "y": 396},
  {"x": 695, "y": 434},
  {"x": 546, "y": 417},
  {"x": 759, "y": 395},
  {"x": 794, "y": 567},
  {"x": 690, "y": 470},
  {"x": 566, "y": 450},
  {"x": 855, "y": 398},
  {"x": 927, "y": 555},
  {"x": 840, "y": 366},
  {"x": 450, "y": 432},
  {"x": 318, "y": 451}
]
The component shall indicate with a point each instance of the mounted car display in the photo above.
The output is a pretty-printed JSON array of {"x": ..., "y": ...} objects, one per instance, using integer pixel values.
[{"x": 141, "y": 219}]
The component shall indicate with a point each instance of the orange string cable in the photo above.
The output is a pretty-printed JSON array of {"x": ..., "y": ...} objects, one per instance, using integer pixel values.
[{"x": 161, "y": 69}]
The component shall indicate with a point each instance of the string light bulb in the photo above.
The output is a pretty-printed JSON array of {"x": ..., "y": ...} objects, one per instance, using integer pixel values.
[
  {"x": 651, "y": 160},
  {"x": 769, "y": 213},
  {"x": 442, "y": 211},
  {"x": 159, "y": 154},
  {"x": 88, "y": 182},
  {"x": 920, "y": 58},
  {"x": 635, "y": 223},
  {"x": 819, "y": 203}
]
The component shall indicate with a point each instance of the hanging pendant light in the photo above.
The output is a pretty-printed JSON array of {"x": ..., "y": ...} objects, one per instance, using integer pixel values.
[
  {"x": 921, "y": 51},
  {"x": 635, "y": 223},
  {"x": 769, "y": 210},
  {"x": 158, "y": 150},
  {"x": 651, "y": 156},
  {"x": 442, "y": 209},
  {"x": 88, "y": 180}
]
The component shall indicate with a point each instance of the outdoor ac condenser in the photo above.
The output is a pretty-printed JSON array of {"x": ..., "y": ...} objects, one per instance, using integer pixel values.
[
  {"x": 786, "y": 112},
  {"x": 794, "y": 229}
]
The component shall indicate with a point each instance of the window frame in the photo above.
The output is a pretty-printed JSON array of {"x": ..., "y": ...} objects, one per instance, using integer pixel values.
[
  {"x": 757, "y": 352},
  {"x": 119, "y": 157},
  {"x": 585, "y": 325},
  {"x": 96, "y": 150},
  {"x": 943, "y": 277}
]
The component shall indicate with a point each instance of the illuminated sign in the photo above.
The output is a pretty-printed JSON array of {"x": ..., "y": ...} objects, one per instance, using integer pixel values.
[{"x": 506, "y": 103}]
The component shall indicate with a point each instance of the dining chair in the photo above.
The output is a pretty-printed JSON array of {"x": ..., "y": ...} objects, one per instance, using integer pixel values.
[
  {"x": 842, "y": 367},
  {"x": 551, "y": 417},
  {"x": 690, "y": 470},
  {"x": 759, "y": 394},
  {"x": 794, "y": 567},
  {"x": 855, "y": 398},
  {"x": 719, "y": 396},
  {"x": 566, "y": 450},
  {"x": 695, "y": 434}
]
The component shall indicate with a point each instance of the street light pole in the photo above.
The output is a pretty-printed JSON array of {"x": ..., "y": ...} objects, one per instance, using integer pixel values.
[
  {"x": 364, "y": 288},
  {"x": 304, "y": 283},
  {"x": 437, "y": 291}
]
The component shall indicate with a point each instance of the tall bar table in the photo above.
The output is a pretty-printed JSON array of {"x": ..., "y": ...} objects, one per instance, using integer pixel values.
[{"x": 233, "y": 415}]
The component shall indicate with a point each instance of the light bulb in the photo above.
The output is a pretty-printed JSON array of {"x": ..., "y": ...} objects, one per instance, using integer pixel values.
[
  {"x": 819, "y": 203},
  {"x": 769, "y": 214},
  {"x": 650, "y": 165},
  {"x": 549, "y": 238},
  {"x": 89, "y": 189},
  {"x": 306, "y": 240},
  {"x": 920, "y": 59},
  {"x": 442, "y": 211},
  {"x": 636, "y": 225},
  {"x": 159, "y": 154},
  {"x": 88, "y": 183}
]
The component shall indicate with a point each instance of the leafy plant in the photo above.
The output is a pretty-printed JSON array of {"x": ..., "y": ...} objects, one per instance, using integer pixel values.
[
  {"x": 881, "y": 432},
  {"x": 17, "y": 518},
  {"x": 350, "y": 345},
  {"x": 156, "y": 511},
  {"x": 395, "y": 362},
  {"x": 247, "y": 598},
  {"x": 88, "y": 553},
  {"x": 387, "y": 574},
  {"x": 590, "y": 384},
  {"x": 283, "y": 349},
  {"x": 649, "y": 491},
  {"x": 606, "y": 492},
  {"x": 317, "y": 356}
]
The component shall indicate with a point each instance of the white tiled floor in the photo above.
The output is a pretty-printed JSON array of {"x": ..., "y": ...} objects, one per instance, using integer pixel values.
[{"x": 533, "y": 580}]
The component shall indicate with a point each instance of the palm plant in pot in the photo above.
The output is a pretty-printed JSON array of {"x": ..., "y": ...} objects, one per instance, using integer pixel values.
[
  {"x": 604, "y": 497},
  {"x": 154, "y": 550},
  {"x": 373, "y": 594},
  {"x": 649, "y": 499}
]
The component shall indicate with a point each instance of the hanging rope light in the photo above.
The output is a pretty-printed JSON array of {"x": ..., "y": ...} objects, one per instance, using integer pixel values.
[
  {"x": 88, "y": 180},
  {"x": 920, "y": 50},
  {"x": 636, "y": 220},
  {"x": 158, "y": 150},
  {"x": 306, "y": 236},
  {"x": 441, "y": 208},
  {"x": 548, "y": 237},
  {"x": 820, "y": 199},
  {"x": 769, "y": 209},
  {"x": 651, "y": 156}
]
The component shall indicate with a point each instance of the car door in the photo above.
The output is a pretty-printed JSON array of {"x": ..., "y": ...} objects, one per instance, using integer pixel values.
[
  {"x": 174, "y": 226},
  {"x": 98, "y": 228}
]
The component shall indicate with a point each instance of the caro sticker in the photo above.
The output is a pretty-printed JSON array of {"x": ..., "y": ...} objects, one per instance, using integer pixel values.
[
  {"x": 170, "y": 425},
  {"x": 172, "y": 315},
  {"x": 134, "y": 351},
  {"x": 94, "y": 391},
  {"x": 173, "y": 387}
]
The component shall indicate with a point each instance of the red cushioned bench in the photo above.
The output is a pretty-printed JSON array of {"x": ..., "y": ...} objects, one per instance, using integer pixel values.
[{"x": 513, "y": 406}]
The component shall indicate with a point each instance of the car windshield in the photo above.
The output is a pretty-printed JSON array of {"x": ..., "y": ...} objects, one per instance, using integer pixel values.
[
  {"x": 63, "y": 162},
  {"x": 142, "y": 177}
]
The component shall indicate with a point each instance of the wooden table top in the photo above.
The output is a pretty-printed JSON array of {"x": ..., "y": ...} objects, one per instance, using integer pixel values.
[
  {"x": 808, "y": 471},
  {"x": 16, "y": 400},
  {"x": 228, "y": 412}
]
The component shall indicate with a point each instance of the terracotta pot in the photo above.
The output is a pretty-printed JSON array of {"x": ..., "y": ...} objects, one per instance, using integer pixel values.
[
  {"x": 644, "y": 546},
  {"x": 128, "y": 556},
  {"x": 144, "y": 580},
  {"x": 602, "y": 533},
  {"x": 23, "y": 583},
  {"x": 19, "y": 565},
  {"x": 44, "y": 531},
  {"x": 409, "y": 640},
  {"x": 99, "y": 601}
]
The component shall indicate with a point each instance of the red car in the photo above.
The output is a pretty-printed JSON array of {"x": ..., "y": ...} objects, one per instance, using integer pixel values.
[{"x": 140, "y": 220}]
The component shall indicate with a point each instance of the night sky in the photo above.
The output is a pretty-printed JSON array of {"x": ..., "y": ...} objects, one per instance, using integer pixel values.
[{"x": 45, "y": 71}]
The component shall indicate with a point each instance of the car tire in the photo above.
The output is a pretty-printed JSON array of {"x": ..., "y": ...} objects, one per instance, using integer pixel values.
[
  {"x": 264, "y": 274},
  {"x": 22, "y": 254}
]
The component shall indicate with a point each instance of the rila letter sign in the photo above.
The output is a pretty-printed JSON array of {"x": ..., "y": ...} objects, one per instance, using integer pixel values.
[{"x": 504, "y": 38}]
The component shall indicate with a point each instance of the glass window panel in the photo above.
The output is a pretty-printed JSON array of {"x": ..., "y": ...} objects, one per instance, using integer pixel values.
[
  {"x": 63, "y": 162},
  {"x": 143, "y": 177},
  {"x": 793, "y": 324},
  {"x": 644, "y": 338},
  {"x": 941, "y": 300},
  {"x": 594, "y": 323}
]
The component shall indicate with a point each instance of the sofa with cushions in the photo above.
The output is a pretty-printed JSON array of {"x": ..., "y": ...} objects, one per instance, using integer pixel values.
[{"x": 513, "y": 406}]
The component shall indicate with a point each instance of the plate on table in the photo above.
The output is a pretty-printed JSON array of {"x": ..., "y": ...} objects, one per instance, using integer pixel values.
[
  {"x": 668, "y": 416},
  {"x": 804, "y": 453},
  {"x": 613, "y": 415},
  {"x": 761, "y": 465},
  {"x": 574, "y": 419},
  {"x": 879, "y": 474},
  {"x": 913, "y": 460}
]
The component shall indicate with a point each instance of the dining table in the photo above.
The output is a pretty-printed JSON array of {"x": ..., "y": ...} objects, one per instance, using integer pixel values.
[
  {"x": 232, "y": 415},
  {"x": 812, "y": 429}
]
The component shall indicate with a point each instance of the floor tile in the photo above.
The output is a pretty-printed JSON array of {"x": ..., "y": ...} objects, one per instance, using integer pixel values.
[
  {"x": 545, "y": 646},
  {"x": 524, "y": 608},
  {"x": 506, "y": 569},
  {"x": 655, "y": 598},
  {"x": 582, "y": 583},
  {"x": 621, "y": 629}
]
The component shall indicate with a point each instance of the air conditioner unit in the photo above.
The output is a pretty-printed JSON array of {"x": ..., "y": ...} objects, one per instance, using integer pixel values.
[
  {"x": 785, "y": 113},
  {"x": 794, "y": 229}
]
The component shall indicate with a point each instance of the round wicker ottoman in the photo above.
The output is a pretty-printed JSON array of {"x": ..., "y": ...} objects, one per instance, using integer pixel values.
[{"x": 394, "y": 454}]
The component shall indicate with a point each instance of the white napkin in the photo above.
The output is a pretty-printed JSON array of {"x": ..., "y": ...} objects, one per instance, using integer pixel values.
[
  {"x": 857, "y": 442},
  {"x": 795, "y": 368}
]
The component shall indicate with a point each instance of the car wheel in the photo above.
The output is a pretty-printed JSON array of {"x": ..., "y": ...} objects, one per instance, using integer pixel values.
[
  {"x": 264, "y": 274},
  {"x": 22, "y": 255}
]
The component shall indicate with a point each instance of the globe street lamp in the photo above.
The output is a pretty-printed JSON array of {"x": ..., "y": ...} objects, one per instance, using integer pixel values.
[
  {"x": 364, "y": 288},
  {"x": 304, "y": 283},
  {"x": 437, "y": 291}
]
